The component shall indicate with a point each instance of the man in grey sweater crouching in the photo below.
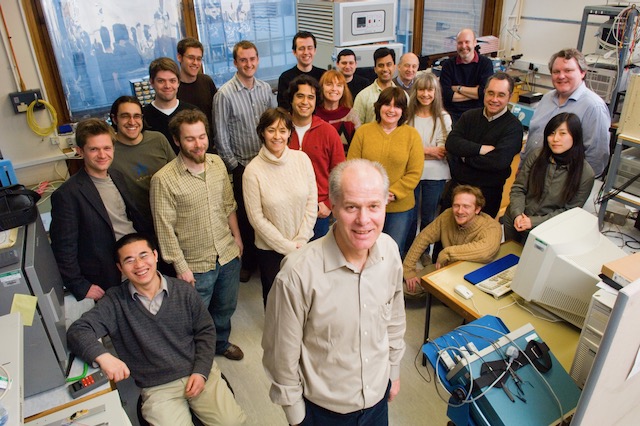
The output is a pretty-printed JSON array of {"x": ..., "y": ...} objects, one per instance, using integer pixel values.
[{"x": 164, "y": 337}]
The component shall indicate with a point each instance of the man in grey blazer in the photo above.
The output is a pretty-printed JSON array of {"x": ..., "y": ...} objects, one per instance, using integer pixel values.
[{"x": 89, "y": 213}]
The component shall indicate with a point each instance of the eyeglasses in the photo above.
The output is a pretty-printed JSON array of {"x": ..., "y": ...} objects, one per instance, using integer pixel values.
[
  {"x": 194, "y": 58},
  {"x": 127, "y": 117}
]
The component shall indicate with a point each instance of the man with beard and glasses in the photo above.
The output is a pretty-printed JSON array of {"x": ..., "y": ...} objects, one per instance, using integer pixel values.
[{"x": 195, "y": 217}]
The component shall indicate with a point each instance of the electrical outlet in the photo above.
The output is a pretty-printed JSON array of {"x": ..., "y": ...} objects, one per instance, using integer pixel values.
[
  {"x": 54, "y": 140},
  {"x": 22, "y": 100}
]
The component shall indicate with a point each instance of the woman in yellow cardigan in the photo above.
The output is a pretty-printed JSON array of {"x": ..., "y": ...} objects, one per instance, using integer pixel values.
[{"x": 398, "y": 147}]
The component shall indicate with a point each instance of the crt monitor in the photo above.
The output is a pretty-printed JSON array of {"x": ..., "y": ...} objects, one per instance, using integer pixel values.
[{"x": 560, "y": 263}]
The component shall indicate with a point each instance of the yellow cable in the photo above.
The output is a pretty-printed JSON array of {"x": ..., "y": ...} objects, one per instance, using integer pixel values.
[{"x": 33, "y": 124}]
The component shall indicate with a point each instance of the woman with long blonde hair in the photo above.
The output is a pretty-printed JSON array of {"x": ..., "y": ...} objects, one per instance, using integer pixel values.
[{"x": 427, "y": 115}]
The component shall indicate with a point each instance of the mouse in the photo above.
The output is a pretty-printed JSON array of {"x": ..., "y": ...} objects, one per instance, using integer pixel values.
[{"x": 463, "y": 291}]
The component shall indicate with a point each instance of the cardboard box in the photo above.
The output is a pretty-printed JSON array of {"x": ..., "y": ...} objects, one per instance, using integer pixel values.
[{"x": 624, "y": 270}]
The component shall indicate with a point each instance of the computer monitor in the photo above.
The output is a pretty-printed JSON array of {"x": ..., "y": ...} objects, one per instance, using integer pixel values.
[
  {"x": 612, "y": 391},
  {"x": 560, "y": 263}
]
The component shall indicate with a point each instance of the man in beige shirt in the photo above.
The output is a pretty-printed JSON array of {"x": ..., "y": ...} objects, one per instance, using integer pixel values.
[
  {"x": 194, "y": 213},
  {"x": 335, "y": 320}
]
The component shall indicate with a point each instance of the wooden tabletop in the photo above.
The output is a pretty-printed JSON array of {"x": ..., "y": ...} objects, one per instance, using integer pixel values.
[{"x": 561, "y": 337}]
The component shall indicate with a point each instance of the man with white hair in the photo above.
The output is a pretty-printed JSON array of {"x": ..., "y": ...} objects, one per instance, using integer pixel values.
[
  {"x": 343, "y": 288},
  {"x": 407, "y": 71}
]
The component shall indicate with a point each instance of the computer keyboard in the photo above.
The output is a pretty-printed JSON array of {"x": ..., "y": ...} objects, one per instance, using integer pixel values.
[{"x": 499, "y": 284}]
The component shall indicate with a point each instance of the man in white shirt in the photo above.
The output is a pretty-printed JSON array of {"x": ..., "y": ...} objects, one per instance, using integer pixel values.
[{"x": 343, "y": 288}]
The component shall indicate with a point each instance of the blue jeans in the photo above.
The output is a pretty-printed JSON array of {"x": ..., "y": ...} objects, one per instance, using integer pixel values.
[
  {"x": 427, "y": 194},
  {"x": 219, "y": 291},
  {"x": 378, "y": 415},
  {"x": 321, "y": 227},
  {"x": 397, "y": 226}
]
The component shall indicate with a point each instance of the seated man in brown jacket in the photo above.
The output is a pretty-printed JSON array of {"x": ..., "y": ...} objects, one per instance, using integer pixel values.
[{"x": 464, "y": 231}]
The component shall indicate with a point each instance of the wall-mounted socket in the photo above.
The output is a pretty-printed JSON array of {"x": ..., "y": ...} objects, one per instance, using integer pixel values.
[{"x": 22, "y": 100}]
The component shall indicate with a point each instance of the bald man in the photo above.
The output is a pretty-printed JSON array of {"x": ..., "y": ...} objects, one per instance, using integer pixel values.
[
  {"x": 463, "y": 77},
  {"x": 407, "y": 70}
]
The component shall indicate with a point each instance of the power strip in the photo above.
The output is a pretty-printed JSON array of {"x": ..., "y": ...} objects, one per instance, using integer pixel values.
[{"x": 615, "y": 218}]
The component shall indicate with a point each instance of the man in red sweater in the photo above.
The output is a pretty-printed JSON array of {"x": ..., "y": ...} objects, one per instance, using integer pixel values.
[{"x": 318, "y": 139}]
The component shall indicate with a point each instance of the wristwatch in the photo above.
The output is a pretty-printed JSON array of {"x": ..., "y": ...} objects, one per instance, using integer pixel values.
[{"x": 459, "y": 88}]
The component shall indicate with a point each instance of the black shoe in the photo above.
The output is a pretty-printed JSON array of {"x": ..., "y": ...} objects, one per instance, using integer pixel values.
[{"x": 245, "y": 275}]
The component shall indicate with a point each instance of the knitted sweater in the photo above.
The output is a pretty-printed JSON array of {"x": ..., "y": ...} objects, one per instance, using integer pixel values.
[
  {"x": 463, "y": 145},
  {"x": 479, "y": 241},
  {"x": 281, "y": 199},
  {"x": 178, "y": 341},
  {"x": 401, "y": 154},
  {"x": 345, "y": 120}
]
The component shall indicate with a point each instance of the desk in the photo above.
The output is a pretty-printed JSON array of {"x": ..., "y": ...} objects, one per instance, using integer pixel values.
[
  {"x": 561, "y": 337},
  {"x": 56, "y": 404},
  {"x": 11, "y": 360}
]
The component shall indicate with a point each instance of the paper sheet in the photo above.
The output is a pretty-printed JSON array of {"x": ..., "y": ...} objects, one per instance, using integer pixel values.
[{"x": 26, "y": 305}]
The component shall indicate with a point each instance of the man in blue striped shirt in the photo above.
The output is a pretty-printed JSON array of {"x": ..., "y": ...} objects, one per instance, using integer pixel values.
[{"x": 237, "y": 107}]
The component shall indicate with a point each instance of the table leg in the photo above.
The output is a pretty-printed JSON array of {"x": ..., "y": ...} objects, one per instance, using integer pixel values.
[{"x": 427, "y": 320}]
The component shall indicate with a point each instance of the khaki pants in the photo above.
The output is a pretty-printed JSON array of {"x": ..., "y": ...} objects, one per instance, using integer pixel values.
[{"x": 166, "y": 404}]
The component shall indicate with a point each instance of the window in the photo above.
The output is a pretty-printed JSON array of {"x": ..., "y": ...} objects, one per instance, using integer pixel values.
[
  {"x": 98, "y": 50},
  {"x": 99, "y": 47},
  {"x": 269, "y": 24},
  {"x": 444, "y": 18}
]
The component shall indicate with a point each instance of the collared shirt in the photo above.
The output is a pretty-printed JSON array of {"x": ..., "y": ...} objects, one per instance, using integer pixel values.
[
  {"x": 237, "y": 111},
  {"x": 328, "y": 323},
  {"x": 152, "y": 305},
  {"x": 494, "y": 117},
  {"x": 593, "y": 114},
  {"x": 191, "y": 215},
  {"x": 363, "y": 104},
  {"x": 476, "y": 58},
  {"x": 406, "y": 87}
]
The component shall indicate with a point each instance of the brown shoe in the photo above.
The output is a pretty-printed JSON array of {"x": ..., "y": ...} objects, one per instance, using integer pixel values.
[
  {"x": 245, "y": 275},
  {"x": 233, "y": 353}
]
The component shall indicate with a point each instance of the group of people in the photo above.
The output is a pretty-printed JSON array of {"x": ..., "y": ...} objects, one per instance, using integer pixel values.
[{"x": 327, "y": 193}]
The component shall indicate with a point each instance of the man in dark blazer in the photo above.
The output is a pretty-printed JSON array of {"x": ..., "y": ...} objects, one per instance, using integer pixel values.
[{"x": 89, "y": 213}]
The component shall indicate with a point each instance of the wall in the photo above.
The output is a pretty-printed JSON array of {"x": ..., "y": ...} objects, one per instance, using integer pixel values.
[
  {"x": 545, "y": 26},
  {"x": 17, "y": 142}
]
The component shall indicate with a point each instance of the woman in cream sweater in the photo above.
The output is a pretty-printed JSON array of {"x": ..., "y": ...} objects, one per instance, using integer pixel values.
[{"x": 280, "y": 195}]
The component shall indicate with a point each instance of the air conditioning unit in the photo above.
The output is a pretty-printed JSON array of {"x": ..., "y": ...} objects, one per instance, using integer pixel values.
[{"x": 339, "y": 25}]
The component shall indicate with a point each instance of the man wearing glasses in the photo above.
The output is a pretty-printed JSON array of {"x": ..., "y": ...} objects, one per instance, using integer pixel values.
[
  {"x": 195, "y": 87},
  {"x": 138, "y": 154}
]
